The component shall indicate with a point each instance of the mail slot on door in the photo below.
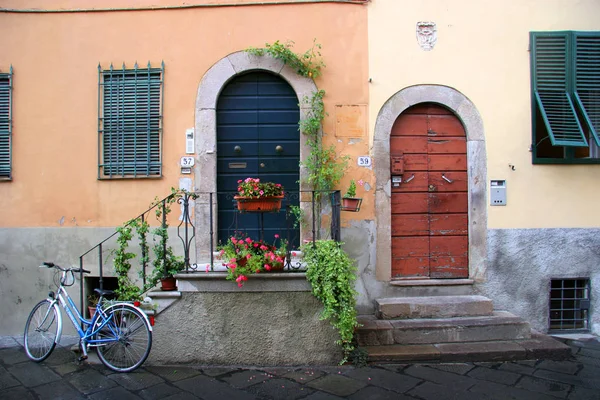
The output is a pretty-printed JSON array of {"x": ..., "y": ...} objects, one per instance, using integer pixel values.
[{"x": 397, "y": 169}]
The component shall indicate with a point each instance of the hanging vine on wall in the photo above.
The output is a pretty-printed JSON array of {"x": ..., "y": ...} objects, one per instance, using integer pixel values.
[{"x": 307, "y": 64}]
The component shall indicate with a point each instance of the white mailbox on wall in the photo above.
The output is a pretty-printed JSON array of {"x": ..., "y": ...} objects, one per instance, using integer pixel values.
[{"x": 498, "y": 193}]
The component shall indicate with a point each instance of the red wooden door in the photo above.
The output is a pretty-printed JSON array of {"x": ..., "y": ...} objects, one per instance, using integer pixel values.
[{"x": 429, "y": 209}]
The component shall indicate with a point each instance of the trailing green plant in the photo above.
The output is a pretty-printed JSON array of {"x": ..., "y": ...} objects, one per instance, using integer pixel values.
[
  {"x": 307, "y": 64},
  {"x": 126, "y": 289},
  {"x": 298, "y": 215},
  {"x": 166, "y": 263},
  {"x": 331, "y": 273}
]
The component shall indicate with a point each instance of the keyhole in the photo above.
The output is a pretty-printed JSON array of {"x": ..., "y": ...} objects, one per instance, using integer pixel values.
[
  {"x": 431, "y": 188},
  {"x": 262, "y": 165}
]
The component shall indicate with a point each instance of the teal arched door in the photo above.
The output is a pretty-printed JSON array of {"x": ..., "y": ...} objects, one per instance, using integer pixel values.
[{"x": 257, "y": 136}]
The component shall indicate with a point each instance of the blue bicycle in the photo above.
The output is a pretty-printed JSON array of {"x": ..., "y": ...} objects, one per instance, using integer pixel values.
[{"x": 120, "y": 332}]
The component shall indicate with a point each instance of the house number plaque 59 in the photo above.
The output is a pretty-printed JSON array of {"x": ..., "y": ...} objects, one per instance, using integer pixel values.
[{"x": 364, "y": 161}]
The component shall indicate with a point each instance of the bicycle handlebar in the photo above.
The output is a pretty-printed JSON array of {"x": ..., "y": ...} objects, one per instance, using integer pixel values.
[{"x": 52, "y": 265}]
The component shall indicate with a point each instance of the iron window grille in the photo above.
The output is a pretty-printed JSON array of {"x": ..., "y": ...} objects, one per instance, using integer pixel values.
[
  {"x": 130, "y": 122},
  {"x": 6, "y": 125},
  {"x": 569, "y": 305},
  {"x": 565, "y": 97}
]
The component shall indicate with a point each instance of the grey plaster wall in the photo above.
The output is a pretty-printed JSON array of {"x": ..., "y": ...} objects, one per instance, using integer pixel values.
[
  {"x": 521, "y": 263},
  {"x": 23, "y": 284},
  {"x": 244, "y": 328}
]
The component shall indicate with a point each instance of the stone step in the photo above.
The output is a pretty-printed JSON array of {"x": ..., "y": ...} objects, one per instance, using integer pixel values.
[
  {"x": 539, "y": 346},
  {"x": 501, "y": 325},
  {"x": 433, "y": 307},
  {"x": 431, "y": 287},
  {"x": 163, "y": 299}
]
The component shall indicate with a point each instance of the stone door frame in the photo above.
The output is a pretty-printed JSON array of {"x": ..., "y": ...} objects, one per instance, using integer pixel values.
[
  {"x": 467, "y": 113},
  {"x": 205, "y": 127}
]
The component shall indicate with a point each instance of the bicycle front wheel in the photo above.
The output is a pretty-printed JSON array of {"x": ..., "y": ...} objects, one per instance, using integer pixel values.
[
  {"x": 127, "y": 337},
  {"x": 41, "y": 330}
]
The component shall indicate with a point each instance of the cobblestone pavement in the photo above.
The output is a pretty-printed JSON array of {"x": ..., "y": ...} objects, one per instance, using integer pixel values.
[{"x": 61, "y": 376}]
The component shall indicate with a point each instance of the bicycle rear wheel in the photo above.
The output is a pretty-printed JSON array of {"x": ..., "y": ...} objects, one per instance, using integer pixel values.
[
  {"x": 128, "y": 336},
  {"x": 41, "y": 330}
]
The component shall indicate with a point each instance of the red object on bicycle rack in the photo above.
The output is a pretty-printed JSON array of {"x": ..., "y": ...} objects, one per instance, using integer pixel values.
[
  {"x": 151, "y": 319},
  {"x": 136, "y": 303}
]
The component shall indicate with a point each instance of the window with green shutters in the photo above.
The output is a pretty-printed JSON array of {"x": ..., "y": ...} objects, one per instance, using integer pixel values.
[
  {"x": 6, "y": 126},
  {"x": 130, "y": 122},
  {"x": 565, "y": 86}
]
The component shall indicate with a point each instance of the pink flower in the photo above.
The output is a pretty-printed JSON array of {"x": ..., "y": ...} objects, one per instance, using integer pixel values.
[
  {"x": 207, "y": 267},
  {"x": 263, "y": 247},
  {"x": 240, "y": 285},
  {"x": 239, "y": 181},
  {"x": 248, "y": 240},
  {"x": 293, "y": 253},
  {"x": 232, "y": 260},
  {"x": 361, "y": 182},
  {"x": 267, "y": 267},
  {"x": 256, "y": 245},
  {"x": 276, "y": 236},
  {"x": 233, "y": 240},
  {"x": 248, "y": 256}
]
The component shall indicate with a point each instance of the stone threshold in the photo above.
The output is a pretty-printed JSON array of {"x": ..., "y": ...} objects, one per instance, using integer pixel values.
[{"x": 431, "y": 282}]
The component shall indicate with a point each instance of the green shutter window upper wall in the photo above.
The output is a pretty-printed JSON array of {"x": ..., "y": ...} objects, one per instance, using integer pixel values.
[
  {"x": 587, "y": 79},
  {"x": 552, "y": 89},
  {"x": 6, "y": 126},
  {"x": 130, "y": 122},
  {"x": 566, "y": 83}
]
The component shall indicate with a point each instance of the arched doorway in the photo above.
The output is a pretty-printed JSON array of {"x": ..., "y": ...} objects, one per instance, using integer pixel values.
[
  {"x": 468, "y": 115},
  {"x": 257, "y": 137},
  {"x": 429, "y": 206}
]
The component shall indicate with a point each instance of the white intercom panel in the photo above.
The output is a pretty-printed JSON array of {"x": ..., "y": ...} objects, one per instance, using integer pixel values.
[{"x": 189, "y": 141}]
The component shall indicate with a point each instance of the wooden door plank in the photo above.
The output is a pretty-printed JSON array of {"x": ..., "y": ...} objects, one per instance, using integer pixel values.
[
  {"x": 408, "y": 144},
  {"x": 444, "y": 125},
  {"x": 410, "y": 203},
  {"x": 412, "y": 246},
  {"x": 413, "y": 182},
  {"x": 444, "y": 203},
  {"x": 447, "y": 162},
  {"x": 459, "y": 181},
  {"x": 456, "y": 145},
  {"x": 449, "y": 246},
  {"x": 403, "y": 267},
  {"x": 415, "y": 162},
  {"x": 449, "y": 267},
  {"x": 410, "y": 125},
  {"x": 410, "y": 224},
  {"x": 448, "y": 224}
]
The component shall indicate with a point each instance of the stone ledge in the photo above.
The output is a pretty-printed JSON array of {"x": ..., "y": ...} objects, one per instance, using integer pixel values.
[{"x": 264, "y": 282}]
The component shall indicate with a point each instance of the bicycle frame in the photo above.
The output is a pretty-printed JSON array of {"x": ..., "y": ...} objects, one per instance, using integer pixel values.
[{"x": 63, "y": 298}]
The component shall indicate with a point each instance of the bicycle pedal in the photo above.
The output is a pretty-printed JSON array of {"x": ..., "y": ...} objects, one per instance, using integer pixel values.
[{"x": 82, "y": 358}]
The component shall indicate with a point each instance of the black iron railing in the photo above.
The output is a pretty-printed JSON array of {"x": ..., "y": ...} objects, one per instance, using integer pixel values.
[{"x": 304, "y": 216}]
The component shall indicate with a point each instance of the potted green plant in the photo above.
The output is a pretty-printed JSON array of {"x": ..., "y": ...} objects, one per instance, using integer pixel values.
[
  {"x": 92, "y": 303},
  {"x": 256, "y": 196},
  {"x": 244, "y": 256},
  {"x": 350, "y": 202}
]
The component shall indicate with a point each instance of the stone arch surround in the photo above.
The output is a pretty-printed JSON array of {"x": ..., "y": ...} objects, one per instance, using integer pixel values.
[
  {"x": 466, "y": 111},
  {"x": 205, "y": 124}
]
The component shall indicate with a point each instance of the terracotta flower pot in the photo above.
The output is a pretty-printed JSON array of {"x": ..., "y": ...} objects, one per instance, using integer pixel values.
[
  {"x": 168, "y": 283},
  {"x": 351, "y": 204},
  {"x": 260, "y": 204}
]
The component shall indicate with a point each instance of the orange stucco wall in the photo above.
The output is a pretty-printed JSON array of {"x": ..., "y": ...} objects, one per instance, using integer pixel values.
[{"x": 55, "y": 94}]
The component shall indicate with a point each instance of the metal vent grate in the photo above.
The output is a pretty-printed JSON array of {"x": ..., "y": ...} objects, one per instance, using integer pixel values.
[{"x": 569, "y": 304}]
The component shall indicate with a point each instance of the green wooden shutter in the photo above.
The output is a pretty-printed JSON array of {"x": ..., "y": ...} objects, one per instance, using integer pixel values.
[
  {"x": 130, "y": 123},
  {"x": 5, "y": 126},
  {"x": 587, "y": 79},
  {"x": 551, "y": 55}
]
